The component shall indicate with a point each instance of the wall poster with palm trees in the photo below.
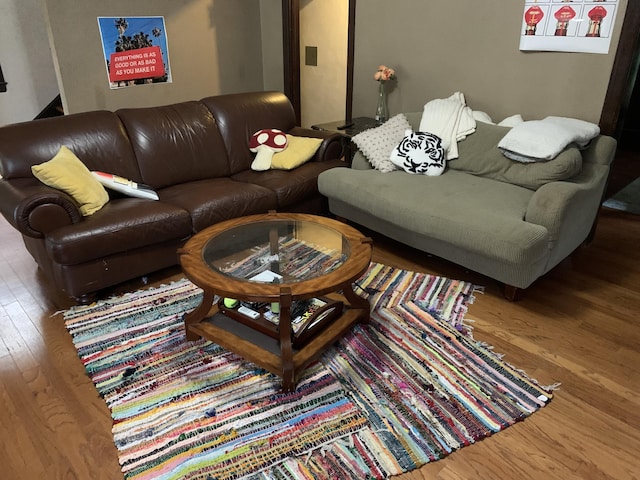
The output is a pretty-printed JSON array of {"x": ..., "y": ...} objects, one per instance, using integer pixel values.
[{"x": 135, "y": 50}]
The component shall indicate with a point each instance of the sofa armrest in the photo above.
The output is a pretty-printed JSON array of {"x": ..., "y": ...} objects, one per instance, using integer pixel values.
[
  {"x": 601, "y": 150},
  {"x": 360, "y": 162},
  {"x": 332, "y": 146},
  {"x": 567, "y": 209},
  {"x": 34, "y": 209}
]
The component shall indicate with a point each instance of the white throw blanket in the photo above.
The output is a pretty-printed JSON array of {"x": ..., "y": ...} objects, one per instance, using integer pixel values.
[
  {"x": 541, "y": 140},
  {"x": 450, "y": 119}
]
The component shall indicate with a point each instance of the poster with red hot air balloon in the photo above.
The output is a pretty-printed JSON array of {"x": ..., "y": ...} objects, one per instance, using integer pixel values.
[{"x": 584, "y": 26}]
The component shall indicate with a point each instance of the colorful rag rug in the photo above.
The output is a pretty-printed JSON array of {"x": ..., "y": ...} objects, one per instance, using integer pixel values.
[{"x": 408, "y": 389}]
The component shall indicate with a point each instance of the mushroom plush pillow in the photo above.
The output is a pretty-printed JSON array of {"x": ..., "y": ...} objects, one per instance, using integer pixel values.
[
  {"x": 265, "y": 143},
  {"x": 420, "y": 152}
]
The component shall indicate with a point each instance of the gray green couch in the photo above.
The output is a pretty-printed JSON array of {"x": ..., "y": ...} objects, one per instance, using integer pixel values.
[{"x": 509, "y": 221}]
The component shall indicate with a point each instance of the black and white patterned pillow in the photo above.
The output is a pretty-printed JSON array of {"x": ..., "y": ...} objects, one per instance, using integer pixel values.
[{"x": 420, "y": 152}]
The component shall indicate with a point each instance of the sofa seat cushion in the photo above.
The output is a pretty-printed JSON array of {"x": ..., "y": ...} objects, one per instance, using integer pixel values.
[
  {"x": 468, "y": 212},
  {"x": 214, "y": 200},
  {"x": 121, "y": 225},
  {"x": 290, "y": 186}
]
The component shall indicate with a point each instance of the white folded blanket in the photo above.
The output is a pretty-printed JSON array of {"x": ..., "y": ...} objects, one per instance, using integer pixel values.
[
  {"x": 541, "y": 140},
  {"x": 450, "y": 119}
]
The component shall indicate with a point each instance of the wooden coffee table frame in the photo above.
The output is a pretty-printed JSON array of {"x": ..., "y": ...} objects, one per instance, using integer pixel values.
[{"x": 275, "y": 355}]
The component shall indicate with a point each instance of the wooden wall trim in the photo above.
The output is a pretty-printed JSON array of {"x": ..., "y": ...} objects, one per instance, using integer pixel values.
[
  {"x": 291, "y": 50},
  {"x": 623, "y": 74},
  {"x": 351, "y": 41},
  {"x": 3, "y": 84}
]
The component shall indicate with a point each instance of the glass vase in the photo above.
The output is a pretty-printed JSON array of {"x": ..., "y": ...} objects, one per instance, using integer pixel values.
[{"x": 382, "y": 110}]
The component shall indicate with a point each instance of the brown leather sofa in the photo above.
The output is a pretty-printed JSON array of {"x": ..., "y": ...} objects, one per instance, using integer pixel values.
[{"x": 194, "y": 154}]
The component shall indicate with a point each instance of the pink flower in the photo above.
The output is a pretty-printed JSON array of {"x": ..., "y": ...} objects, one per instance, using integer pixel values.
[{"x": 384, "y": 73}]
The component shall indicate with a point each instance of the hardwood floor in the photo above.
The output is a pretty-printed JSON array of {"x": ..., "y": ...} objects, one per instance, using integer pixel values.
[{"x": 579, "y": 326}]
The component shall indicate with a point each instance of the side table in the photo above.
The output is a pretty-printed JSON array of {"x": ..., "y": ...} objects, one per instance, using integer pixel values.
[{"x": 357, "y": 125}]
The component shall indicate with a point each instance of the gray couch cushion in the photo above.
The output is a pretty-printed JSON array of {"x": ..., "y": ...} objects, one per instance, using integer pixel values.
[{"x": 479, "y": 155}]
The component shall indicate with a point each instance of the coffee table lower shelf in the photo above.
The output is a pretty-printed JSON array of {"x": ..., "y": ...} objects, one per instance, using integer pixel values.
[{"x": 265, "y": 351}]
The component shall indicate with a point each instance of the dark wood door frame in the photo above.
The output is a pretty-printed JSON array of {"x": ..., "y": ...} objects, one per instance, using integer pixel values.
[
  {"x": 291, "y": 53},
  {"x": 623, "y": 73},
  {"x": 351, "y": 39},
  {"x": 3, "y": 84},
  {"x": 351, "y": 34}
]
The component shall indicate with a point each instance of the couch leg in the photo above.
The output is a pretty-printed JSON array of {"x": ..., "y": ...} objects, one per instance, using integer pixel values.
[
  {"x": 86, "y": 299},
  {"x": 592, "y": 232},
  {"x": 513, "y": 294}
]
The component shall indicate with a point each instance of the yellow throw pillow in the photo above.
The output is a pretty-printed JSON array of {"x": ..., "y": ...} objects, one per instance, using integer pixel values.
[
  {"x": 67, "y": 173},
  {"x": 299, "y": 150}
]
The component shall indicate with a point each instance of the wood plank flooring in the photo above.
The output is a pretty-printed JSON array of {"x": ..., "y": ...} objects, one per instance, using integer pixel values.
[{"x": 578, "y": 326}]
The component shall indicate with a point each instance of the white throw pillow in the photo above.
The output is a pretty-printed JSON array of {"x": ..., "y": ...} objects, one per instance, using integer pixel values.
[
  {"x": 377, "y": 143},
  {"x": 484, "y": 117},
  {"x": 583, "y": 131},
  {"x": 541, "y": 140},
  {"x": 511, "y": 121},
  {"x": 420, "y": 152}
]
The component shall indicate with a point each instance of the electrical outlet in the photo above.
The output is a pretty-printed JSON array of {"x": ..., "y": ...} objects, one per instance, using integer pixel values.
[{"x": 311, "y": 56}]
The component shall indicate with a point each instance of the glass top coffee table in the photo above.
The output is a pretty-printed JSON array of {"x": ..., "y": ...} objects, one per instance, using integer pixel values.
[{"x": 284, "y": 284}]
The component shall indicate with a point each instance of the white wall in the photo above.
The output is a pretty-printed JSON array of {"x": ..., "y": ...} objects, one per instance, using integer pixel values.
[{"x": 26, "y": 61}]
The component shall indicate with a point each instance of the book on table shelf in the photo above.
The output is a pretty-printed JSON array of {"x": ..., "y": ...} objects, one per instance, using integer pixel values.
[{"x": 305, "y": 315}]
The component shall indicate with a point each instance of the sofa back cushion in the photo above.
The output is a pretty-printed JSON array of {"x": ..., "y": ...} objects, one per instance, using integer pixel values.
[
  {"x": 240, "y": 115},
  {"x": 175, "y": 143},
  {"x": 97, "y": 138},
  {"x": 479, "y": 155}
]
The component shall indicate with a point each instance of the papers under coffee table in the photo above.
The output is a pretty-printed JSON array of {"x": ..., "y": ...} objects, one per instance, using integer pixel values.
[{"x": 287, "y": 280}]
